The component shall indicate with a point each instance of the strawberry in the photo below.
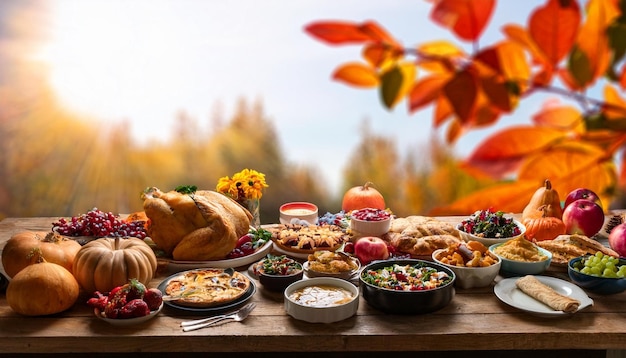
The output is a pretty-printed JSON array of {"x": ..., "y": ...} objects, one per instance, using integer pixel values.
[
  {"x": 135, "y": 290},
  {"x": 154, "y": 298},
  {"x": 134, "y": 308}
]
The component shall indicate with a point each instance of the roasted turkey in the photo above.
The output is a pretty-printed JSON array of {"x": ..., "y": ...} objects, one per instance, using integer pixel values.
[{"x": 200, "y": 226}]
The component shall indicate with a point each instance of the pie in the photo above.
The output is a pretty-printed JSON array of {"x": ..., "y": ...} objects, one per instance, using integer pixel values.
[
  {"x": 421, "y": 235},
  {"x": 206, "y": 287},
  {"x": 308, "y": 238},
  {"x": 566, "y": 247}
]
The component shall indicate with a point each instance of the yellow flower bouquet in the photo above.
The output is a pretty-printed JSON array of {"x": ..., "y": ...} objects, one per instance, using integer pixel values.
[{"x": 246, "y": 187}]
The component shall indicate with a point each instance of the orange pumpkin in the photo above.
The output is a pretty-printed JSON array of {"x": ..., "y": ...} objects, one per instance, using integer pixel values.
[
  {"x": 25, "y": 248},
  {"x": 42, "y": 289},
  {"x": 360, "y": 197},
  {"x": 106, "y": 263},
  {"x": 544, "y": 227}
]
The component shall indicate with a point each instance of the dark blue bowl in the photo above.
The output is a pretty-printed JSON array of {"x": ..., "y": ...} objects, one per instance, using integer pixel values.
[{"x": 600, "y": 285}]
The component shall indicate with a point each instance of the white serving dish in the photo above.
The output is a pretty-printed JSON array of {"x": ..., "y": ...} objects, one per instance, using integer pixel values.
[
  {"x": 127, "y": 321},
  {"x": 177, "y": 266},
  {"x": 321, "y": 314}
]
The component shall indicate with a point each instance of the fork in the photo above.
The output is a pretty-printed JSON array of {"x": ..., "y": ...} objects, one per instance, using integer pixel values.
[{"x": 237, "y": 316}]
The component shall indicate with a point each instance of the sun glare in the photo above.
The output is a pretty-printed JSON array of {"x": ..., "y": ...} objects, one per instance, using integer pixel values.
[{"x": 110, "y": 59}]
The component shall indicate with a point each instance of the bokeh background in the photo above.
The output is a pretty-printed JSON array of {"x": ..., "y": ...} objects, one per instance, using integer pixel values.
[{"x": 100, "y": 99}]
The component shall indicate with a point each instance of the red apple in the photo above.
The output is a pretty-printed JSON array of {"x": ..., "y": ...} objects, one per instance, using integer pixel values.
[
  {"x": 581, "y": 193},
  {"x": 583, "y": 217},
  {"x": 617, "y": 239},
  {"x": 371, "y": 248}
]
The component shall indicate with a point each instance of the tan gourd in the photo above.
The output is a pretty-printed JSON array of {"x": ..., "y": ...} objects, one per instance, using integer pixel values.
[
  {"x": 544, "y": 196},
  {"x": 42, "y": 289},
  {"x": 105, "y": 263},
  {"x": 25, "y": 248}
]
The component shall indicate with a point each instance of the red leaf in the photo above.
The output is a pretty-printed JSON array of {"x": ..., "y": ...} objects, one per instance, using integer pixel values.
[
  {"x": 426, "y": 91},
  {"x": 466, "y": 18},
  {"x": 554, "y": 27},
  {"x": 461, "y": 92},
  {"x": 343, "y": 32}
]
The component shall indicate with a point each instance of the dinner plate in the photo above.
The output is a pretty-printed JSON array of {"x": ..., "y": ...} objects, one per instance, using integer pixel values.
[
  {"x": 214, "y": 309},
  {"x": 177, "y": 266},
  {"x": 507, "y": 292},
  {"x": 127, "y": 321}
]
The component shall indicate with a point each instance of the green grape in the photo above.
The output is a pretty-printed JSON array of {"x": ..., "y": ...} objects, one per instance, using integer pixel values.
[{"x": 602, "y": 266}]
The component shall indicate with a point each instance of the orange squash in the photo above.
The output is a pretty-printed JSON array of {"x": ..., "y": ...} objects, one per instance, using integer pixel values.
[
  {"x": 25, "y": 248},
  {"x": 545, "y": 195},
  {"x": 543, "y": 227},
  {"x": 106, "y": 263},
  {"x": 42, "y": 289}
]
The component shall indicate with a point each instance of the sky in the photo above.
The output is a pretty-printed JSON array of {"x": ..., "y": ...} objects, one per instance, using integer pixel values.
[{"x": 147, "y": 60}]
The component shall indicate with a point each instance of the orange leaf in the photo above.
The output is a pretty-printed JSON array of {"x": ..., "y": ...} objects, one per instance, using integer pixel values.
[
  {"x": 343, "y": 32},
  {"x": 466, "y": 18},
  {"x": 515, "y": 141},
  {"x": 425, "y": 91},
  {"x": 572, "y": 165},
  {"x": 592, "y": 38},
  {"x": 454, "y": 132},
  {"x": 356, "y": 74},
  {"x": 443, "y": 111},
  {"x": 378, "y": 54},
  {"x": 461, "y": 92},
  {"x": 558, "y": 117},
  {"x": 508, "y": 197},
  {"x": 554, "y": 26},
  {"x": 439, "y": 49},
  {"x": 522, "y": 37},
  {"x": 615, "y": 105}
]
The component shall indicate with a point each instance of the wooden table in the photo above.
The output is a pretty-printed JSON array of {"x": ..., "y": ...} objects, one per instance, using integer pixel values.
[{"x": 475, "y": 320}]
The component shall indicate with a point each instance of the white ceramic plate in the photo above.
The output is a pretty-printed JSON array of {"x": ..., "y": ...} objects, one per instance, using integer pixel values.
[
  {"x": 127, "y": 321},
  {"x": 177, "y": 266},
  {"x": 508, "y": 293}
]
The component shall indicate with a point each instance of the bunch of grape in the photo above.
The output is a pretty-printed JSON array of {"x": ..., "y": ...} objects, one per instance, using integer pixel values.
[
  {"x": 99, "y": 224},
  {"x": 602, "y": 266}
]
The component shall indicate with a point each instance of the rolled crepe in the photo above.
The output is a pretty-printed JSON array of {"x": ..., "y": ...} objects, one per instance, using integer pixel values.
[{"x": 544, "y": 293}]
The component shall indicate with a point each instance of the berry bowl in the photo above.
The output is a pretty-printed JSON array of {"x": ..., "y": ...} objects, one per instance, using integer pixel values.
[
  {"x": 127, "y": 321},
  {"x": 490, "y": 227},
  {"x": 595, "y": 282},
  {"x": 405, "y": 292},
  {"x": 370, "y": 222}
]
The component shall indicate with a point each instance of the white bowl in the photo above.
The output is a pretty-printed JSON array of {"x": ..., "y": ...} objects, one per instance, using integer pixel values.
[
  {"x": 522, "y": 268},
  {"x": 328, "y": 314},
  {"x": 491, "y": 241},
  {"x": 298, "y": 210},
  {"x": 127, "y": 321},
  {"x": 470, "y": 277}
]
